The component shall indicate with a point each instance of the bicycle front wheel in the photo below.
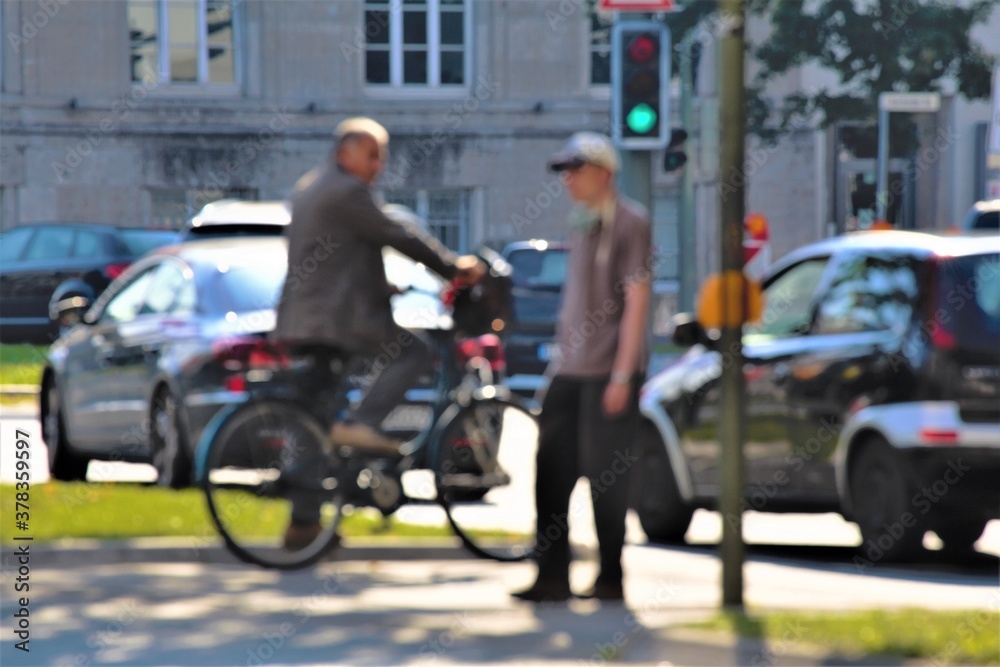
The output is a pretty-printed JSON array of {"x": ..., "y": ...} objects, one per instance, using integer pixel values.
[
  {"x": 484, "y": 465},
  {"x": 272, "y": 488}
]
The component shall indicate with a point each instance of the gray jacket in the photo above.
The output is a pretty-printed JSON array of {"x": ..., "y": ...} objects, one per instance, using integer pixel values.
[{"x": 336, "y": 291}]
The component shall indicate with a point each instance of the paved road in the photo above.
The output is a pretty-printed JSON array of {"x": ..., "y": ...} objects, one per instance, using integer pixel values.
[{"x": 444, "y": 612}]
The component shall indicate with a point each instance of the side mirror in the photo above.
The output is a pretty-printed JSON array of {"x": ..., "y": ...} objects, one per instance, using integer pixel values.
[
  {"x": 69, "y": 311},
  {"x": 687, "y": 331}
]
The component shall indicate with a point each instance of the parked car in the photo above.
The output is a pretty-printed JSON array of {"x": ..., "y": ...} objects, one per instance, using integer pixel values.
[
  {"x": 43, "y": 264},
  {"x": 873, "y": 390},
  {"x": 539, "y": 272},
  {"x": 152, "y": 361},
  {"x": 235, "y": 217},
  {"x": 983, "y": 215}
]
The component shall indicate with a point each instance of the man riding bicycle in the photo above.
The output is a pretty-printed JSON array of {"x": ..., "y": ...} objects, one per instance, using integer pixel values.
[{"x": 339, "y": 299}]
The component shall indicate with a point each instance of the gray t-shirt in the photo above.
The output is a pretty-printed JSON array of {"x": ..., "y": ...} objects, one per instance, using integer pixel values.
[{"x": 601, "y": 264}]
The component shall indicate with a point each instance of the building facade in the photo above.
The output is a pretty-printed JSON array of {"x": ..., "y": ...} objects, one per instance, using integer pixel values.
[{"x": 138, "y": 112}]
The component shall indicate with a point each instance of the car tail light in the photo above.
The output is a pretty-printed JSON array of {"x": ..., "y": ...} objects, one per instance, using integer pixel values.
[
  {"x": 486, "y": 347},
  {"x": 937, "y": 436},
  {"x": 236, "y": 383},
  {"x": 112, "y": 271},
  {"x": 245, "y": 354},
  {"x": 942, "y": 338}
]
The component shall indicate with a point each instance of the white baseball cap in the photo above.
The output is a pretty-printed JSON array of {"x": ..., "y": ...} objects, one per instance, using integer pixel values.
[{"x": 583, "y": 148}]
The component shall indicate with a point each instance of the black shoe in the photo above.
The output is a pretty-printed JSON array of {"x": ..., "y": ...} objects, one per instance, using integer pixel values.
[
  {"x": 542, "y": 591},
  {"x": 609, "y": 591}
]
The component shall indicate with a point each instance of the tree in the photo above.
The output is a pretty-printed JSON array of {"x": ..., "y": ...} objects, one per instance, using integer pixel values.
[{"x": 871, "y": 46}]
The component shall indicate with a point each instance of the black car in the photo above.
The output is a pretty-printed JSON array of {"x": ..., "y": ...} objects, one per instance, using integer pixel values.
[
  {"x": 169, "y": 344},
  {"x": 539, "y": 272},
  {"x": 873, "y": 390},
  {"x": 43, "y": 264}
]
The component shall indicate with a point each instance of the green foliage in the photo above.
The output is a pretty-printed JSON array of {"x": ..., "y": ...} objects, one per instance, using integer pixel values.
[
  {"x": 886, "y": 45},
  {"x": 120, "y": 511},
  {"x": 870, "y": 46},
  {"x": 21, "y": 364},
  {"x": 944, "y": 637}
]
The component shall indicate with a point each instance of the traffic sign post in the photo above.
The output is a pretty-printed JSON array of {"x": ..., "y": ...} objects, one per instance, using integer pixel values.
[{"x": 899, "y": 103}]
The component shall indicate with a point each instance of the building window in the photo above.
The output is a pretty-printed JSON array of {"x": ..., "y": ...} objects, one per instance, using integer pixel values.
[
  {"x": 415, "y": 43},
  {"x": 183, "y": 41},
  {"x": 446, "y": 212},
  {"x": 600, "y": 49},
  {"x": 172, "y": 207}
]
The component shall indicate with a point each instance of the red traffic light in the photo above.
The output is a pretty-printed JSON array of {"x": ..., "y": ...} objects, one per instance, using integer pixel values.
[{"x": 642, "y": 49}]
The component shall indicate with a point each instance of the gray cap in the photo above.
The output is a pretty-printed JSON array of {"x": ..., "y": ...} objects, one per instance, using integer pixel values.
[{"x": 583, "y": 148}]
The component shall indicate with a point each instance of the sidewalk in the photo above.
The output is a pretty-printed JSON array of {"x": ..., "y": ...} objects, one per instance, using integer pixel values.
[{"x": 177, "y": 602}]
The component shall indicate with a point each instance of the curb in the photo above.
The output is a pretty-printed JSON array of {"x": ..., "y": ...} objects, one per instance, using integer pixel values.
[{"x": 76, "y": 553}]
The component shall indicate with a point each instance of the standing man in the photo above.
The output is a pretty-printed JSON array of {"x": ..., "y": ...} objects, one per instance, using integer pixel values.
[
  {"x": 343, "y": 302},
  {"x": 591, "y": 409}
]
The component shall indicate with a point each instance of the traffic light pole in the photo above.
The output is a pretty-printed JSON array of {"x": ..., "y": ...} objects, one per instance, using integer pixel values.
[
  {"x": 637, "y": 177},
  {"x": 685, "y": 214},
  {"x": 732, "y": 122}
]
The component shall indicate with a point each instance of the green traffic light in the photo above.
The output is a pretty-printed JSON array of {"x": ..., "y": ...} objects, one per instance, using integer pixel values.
[{"x": 641, "y": 119}]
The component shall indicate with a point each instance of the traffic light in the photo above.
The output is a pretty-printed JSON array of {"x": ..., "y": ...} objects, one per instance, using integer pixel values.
[
  {"x": 674, "y": 158},
  {"x": 640, "y": 95}
]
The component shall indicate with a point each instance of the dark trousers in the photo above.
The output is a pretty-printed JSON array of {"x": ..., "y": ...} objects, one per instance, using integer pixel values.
[
  {"x": 577, "y": 439},
  {"x": 390, "y": 372},
  {"x": 395, "y": 370}
]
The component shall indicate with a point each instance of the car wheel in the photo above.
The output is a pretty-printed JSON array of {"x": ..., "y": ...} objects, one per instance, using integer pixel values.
[
  {"x": 664, "y": 515},
  {"x": 64, "y": 464},
  {"x": 168, "y": 444},
  {"x": 959, "y": 533},
  {"x": 880, "y": 500}
]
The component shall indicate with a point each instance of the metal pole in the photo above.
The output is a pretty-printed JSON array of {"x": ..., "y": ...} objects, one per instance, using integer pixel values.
[
  {"x": 732, "y": 124},
  {"x": 685, "y": 214},
  {"x": 882, "y": 185},
  {"x": 637, "y": 177}
]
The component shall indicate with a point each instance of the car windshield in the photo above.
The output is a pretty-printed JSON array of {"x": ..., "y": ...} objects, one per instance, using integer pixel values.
[
  {"x": 539, "y": 269},
  {"x": 987, "y": 220},
  {"x": 140, "y": 241},
  {"x": 970, "y": 294},
  {"x": 243, "y": 289}
]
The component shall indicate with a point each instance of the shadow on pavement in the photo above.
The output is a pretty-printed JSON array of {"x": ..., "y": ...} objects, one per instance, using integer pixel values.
[{"x": 967, "y": 568}]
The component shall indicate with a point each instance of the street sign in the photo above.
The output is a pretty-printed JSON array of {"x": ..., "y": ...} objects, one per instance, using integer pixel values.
[
  {"x": 637, "y": 5},
  {"x": 909, "y": 102}
]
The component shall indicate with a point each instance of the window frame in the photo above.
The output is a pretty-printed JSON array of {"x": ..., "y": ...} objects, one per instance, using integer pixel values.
[
  {"x": 433, "y": 87},
  {"x": 101, "y": 316},
  {"x": 164, "y": 83},
  {"x": 422, "y": 199}
]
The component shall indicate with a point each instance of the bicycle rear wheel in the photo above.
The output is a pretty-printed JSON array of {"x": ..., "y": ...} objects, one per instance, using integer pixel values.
[
  {"x": 259, "y": 463},
  {"x": 484, "y": 465}
]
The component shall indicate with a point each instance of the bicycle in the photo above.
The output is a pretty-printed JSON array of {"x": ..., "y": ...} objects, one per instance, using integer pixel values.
[{"x": 256, "y": 459}]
